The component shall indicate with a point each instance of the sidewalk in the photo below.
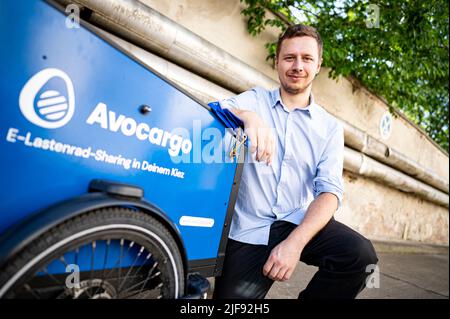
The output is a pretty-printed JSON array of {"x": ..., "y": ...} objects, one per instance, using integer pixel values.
[{"x": 407, "y": 271}]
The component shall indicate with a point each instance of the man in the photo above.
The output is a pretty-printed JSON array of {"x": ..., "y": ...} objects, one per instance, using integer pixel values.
[{"x": 285, "y": 207}]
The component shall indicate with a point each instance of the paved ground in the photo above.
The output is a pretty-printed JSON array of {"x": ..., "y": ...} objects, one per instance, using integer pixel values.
[
  {"x": 407, "y": 271},
  {"x": 402, "y": 276}
]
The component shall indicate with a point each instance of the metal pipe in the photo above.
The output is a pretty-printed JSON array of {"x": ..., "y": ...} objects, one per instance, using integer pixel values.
[
  {"x": 363, "y": 165},
  {"x": 151, "y": 30},
  {"x": 370, "y": 146},
  {"x": 197, "y": 86}
]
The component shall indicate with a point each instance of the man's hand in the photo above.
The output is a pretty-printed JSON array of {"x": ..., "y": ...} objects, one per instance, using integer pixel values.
[
  {"x": 282, "y": 260},
  {"x": 261, "y": 137},
  {"x": 284, "y": 257}
]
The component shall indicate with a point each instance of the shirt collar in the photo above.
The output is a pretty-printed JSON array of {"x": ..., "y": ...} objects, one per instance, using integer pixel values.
[{"x": 310, "y": 109}]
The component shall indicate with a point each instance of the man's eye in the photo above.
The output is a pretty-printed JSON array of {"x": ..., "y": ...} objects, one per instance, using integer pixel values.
[{"x": 289, "y": 58}]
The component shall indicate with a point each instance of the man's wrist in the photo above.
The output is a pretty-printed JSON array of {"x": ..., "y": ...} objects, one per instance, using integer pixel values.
[
  {"x": 297, "y": 239},
  {"x": 242, "y": 114}
]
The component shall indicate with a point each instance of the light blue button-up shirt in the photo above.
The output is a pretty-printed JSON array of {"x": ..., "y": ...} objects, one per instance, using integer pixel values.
[{"x": 309, "y": 161}]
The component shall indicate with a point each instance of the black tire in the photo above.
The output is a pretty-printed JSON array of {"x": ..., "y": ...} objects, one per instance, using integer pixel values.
[{"x": 156, "y": 270}]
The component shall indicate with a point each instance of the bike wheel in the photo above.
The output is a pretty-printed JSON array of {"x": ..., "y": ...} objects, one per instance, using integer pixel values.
[{"x": 108, "y": 253}]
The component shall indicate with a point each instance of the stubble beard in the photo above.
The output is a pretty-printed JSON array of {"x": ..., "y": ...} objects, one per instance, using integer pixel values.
[{"x": 294, "y": 90}]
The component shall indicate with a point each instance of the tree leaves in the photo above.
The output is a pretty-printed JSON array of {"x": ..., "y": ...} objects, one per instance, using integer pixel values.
[{"x": 397, "y": 49}]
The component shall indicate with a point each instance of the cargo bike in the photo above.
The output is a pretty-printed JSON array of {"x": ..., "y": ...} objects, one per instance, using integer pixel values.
[{"x": 115, "y": 182}]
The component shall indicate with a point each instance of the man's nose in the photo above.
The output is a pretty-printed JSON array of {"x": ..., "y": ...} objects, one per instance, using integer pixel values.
[{"x": 297, "y": 65}]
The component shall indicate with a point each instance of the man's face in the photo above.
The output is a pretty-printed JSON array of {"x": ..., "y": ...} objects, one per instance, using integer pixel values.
[{"x": 297, "y": 63}]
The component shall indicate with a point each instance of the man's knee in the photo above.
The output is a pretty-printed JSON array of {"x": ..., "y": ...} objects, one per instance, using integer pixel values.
[{"x": 364, "y": 254}]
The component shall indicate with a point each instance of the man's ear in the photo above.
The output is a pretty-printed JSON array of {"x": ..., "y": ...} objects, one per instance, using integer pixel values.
[{"x": 320, "y": 64}]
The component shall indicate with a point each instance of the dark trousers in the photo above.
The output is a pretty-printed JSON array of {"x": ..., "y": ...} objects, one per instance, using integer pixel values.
[{"x": 341, "y": 254}]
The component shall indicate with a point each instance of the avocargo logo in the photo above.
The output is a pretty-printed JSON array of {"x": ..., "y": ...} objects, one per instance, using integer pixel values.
[{"x": 54, "y": 110}]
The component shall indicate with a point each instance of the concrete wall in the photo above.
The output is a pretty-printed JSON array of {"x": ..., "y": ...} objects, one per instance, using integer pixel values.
[
  {"x": 377, "y": 211},
  {"x": 385, "y": 213}
]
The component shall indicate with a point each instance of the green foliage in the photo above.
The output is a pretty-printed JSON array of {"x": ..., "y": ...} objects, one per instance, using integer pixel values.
[{"x": 401, "y": 54}]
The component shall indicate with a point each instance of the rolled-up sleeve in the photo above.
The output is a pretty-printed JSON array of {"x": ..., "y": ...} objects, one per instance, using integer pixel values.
[
  {"x": 244, "y": 101},
  {"x": 329, "y": 171}
]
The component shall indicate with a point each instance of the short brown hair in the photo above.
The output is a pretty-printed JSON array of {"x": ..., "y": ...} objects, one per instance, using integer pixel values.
[{"x": 300, "y": 30}]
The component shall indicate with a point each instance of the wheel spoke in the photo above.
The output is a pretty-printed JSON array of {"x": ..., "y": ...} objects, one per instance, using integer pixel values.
[
  {"x": 130, "y": 268},
  {"x": 35, "y": 294},
  {"x": 105, "y": 260},
  {"x": 92, "y": 259},
  {"x": 77, "y": 251},
  {"x": 63, "y": 261},
  {"x": 143, "y": 282},
  {"x": 58, "y": 282},
  {"x": 91, "y": 275},
  {"x": 144, "y": 263},
  {"x": 113, "y": 267},
  {"x": 120, "y": 260}
]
